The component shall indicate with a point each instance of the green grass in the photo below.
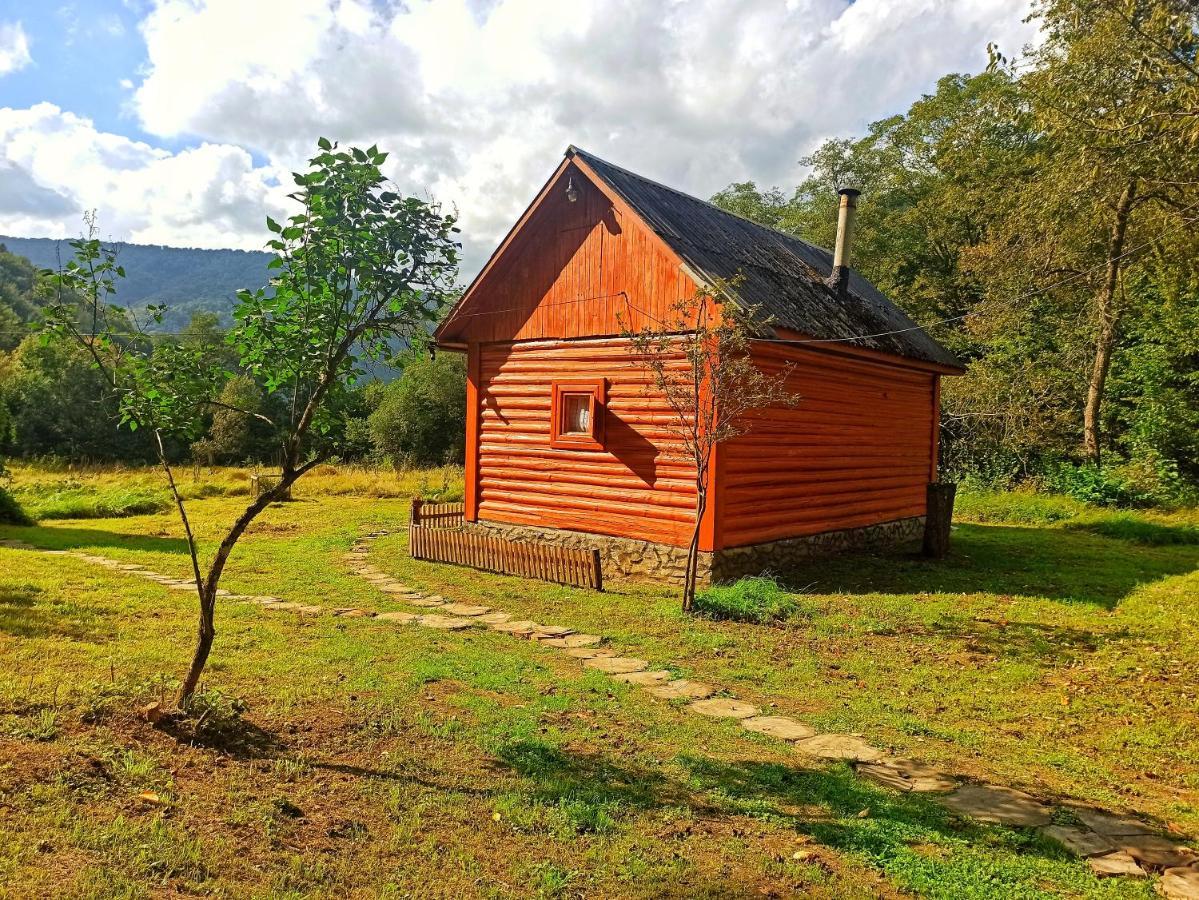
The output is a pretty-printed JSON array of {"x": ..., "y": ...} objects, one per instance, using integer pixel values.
[
  {"x": 372, "y": 759},
  {"x": 759, "y": 600}
]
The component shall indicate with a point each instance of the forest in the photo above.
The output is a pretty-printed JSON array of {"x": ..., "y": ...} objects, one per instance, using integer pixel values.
[{"x": 1038, "y": 218}]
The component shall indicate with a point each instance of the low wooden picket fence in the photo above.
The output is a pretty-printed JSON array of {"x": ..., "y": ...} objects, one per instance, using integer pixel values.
[
  {"x": 437, "y": 515},
  {"x": 434, "y": 536}
]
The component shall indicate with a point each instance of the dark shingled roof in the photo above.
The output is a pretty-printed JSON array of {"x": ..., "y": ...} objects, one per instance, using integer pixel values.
[{"x": 783, "y": 275}]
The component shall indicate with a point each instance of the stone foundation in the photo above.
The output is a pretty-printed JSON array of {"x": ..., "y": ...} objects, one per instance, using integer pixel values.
[{"x": 623, "y": 559}]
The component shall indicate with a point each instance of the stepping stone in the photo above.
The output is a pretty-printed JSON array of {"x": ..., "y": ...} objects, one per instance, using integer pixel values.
[
  {"x": 495, "y": 618},
  {"x": 280, "y": 604},
  {"x": 522, "y": 628},
  {"x": 779, "y": 727},
  {"x": 402, "y": 617},
  {"x": 724, "y": 708},
  {"x": 1155, "y": 852},
  {"x": 550, "y": 632},
  {"x": 312, "y": 610},
  {"x": 998, "y": 805},
  {"x": 424, "y": 601},
  {"x": 1079, "y": 841},
  {"x": 221, "y": 592},
  {"x": 907, "y": 775},
  {"x": 839, "y": 746},
  {"x": 353, "y": 612},
  {"x": 615, "y": 665},
  {"x": 131, "y": 567},
  {"x": 643, "y": 678},
  {"x": 1113, "y": 864},
  {"x": 265, "y": 600},
  {"x": 679, "y": 689},
  {"x": 394, "y": 587},
  {"x": 465, "y": 609},
  {"x": 181, "y": 586},
  {"x": 238, "y": 598},
  {"x": 1107, "y": 824},
  {"x": 574, "y": 640},
  {"x": 590, "y": 652},
  {"x": 448, "y": 622},
  {"x": 1179, "y": 884}
]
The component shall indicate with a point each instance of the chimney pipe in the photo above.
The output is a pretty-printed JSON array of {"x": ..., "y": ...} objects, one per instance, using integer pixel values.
[{"x": 838, "y": 280}]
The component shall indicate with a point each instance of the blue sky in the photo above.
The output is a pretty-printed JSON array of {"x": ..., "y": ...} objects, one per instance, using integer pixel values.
[{"x": 179, "y": 121}]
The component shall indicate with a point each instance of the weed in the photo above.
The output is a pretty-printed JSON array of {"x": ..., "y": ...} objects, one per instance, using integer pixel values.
[{"x": 759, "y": 600}]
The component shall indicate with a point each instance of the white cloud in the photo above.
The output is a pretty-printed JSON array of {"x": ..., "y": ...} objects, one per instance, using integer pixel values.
[
  {"x": 54, "y": 165},
  {"x": 476, "y": 99},
  {"x": 14, "y": 47}
]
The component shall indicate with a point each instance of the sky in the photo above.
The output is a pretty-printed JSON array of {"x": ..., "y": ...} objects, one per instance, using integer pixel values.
[{"x": 180, "y": 121}]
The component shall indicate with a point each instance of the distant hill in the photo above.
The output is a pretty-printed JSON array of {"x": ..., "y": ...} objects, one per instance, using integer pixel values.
[{"x": 186, "y": 279}]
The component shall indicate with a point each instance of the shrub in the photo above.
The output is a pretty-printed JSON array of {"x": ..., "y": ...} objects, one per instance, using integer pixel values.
[
  {"x": 421, "y": 419},
  {"x": 1093, "y": 484},
  {"x": 10, "y": 511},
  {"x": 759, "y": 600}
]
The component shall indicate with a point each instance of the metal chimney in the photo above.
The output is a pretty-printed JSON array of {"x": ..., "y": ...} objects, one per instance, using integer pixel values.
[{"x": 838, "y": 280}]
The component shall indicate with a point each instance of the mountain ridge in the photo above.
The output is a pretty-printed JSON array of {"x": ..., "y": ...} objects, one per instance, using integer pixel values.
[{"x": 187, "y": 279}]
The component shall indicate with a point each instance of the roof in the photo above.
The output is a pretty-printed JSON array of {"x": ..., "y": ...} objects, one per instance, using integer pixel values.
[{"x": 782, "y": 275}]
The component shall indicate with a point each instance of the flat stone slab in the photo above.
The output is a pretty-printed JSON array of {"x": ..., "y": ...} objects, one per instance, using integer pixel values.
[
  {"x": 1179, "y": 884},
  {"x": 1079, "y": 841},
  {"x": 574, "y": 640},
  {"x": 779, "y": 727},
  {"x": 615, "y": 665},
  {"x": 262, "y": 598},
  {"x": 424, "y": 601},
  {"x": 354, "y": 613},
  {"x": 553, "y": 631},
  {"x": 998, "y": 805},
  {"x": 589, "y": 652},
  {"x": 907, "y": 775},
  {"x": 394, "y": 587},
  {"x": 402, "y": 617},
  {"x": 495, "y": 618},
  {"x": 450, "y": 623},
  {"x": 465, "y": 609},
  {"x": 1154, "y": 851},
  {"x": 643, "y": 678},
  {"x": 839, "y": 746},
  {"x": 1108, "y": 824},
  {"x": 723, "y": 708},
  {"x": 1115, "y": 864},
  {"x": 521, "y": 628},
  {"x": 679, "y": 689}
]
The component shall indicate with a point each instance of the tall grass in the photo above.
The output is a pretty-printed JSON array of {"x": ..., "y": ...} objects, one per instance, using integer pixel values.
[{"x": 90, "y": 492}]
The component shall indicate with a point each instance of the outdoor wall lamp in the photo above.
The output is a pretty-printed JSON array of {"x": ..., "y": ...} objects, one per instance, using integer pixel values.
[{"x": 572, "y": 192}]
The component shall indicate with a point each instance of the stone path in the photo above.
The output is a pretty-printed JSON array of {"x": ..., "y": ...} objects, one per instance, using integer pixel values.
[{"x": 1112, "y": 845}]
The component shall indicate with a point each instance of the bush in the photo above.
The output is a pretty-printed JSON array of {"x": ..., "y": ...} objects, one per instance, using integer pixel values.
[
  {"x": 1093, "y": 484},
  {"x": 420, "y": 419},
  {"x": 759, "y": 600},
  {"x": 10, "y": 511}
]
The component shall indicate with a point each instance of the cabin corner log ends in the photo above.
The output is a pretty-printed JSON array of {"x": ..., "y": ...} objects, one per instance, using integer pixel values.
[{"x": 436, "y": 534}]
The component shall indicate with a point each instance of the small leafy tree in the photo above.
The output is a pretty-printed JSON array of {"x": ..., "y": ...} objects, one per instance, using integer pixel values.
[
  {"x": 421, "y": 417},
  {"x": 699, "y": 362},
  {"x": 359, "y": 272}
]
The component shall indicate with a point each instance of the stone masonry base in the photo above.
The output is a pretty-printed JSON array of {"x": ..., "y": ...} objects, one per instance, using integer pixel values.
[{"x": 625, "y": 559}]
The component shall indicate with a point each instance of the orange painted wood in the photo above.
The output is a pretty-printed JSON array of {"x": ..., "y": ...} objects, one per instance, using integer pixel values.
[
  {"x": 569, "y": 270},
  {"x": 471, "y": 494},
  {"x": 639, "y": 486},
  {"x": 934, "y": 463},
  {"x": 854, "y": 451}
]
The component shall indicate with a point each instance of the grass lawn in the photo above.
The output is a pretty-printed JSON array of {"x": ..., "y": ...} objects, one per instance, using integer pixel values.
[{"x": 1056, "y": 651}]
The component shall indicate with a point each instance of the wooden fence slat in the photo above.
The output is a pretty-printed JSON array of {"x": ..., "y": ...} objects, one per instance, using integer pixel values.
[{"x": 434, "y": 534}]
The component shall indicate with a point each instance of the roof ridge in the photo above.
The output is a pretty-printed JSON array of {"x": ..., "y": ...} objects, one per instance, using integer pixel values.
[{"x": 573, "y": 148}]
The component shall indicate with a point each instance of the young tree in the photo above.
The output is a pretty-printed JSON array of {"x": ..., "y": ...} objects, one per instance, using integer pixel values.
[
  {"x": 359, "y": 272},
  {"x": 698, "y": 360}
]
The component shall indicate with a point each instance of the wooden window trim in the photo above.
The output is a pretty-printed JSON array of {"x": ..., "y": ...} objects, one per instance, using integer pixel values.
[{"x": 594, "y": 440}]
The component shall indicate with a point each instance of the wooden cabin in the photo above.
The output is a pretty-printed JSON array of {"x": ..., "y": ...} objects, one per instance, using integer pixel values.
[{"x": 565, "y": 439}]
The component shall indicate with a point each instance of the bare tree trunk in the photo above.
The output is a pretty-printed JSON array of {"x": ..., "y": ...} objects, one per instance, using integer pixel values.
[
  {"x": 1109, "y": 320},
  {"x": 690, "y": 578}
]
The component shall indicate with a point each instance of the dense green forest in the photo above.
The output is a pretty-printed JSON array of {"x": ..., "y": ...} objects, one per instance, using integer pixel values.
[
  {"x": 1039, "y": 218},
  {"x": 187, "y": 280}
]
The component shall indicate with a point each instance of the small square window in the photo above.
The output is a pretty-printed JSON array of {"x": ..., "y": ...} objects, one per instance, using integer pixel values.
[{"x": 577, "y": 414}]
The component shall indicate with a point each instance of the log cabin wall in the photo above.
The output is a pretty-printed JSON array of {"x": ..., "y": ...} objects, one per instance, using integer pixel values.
[
  {"x": 855, "y": 451},
  {"x": 572, "y": 270},
  {"x": 639, "y": 486}
]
